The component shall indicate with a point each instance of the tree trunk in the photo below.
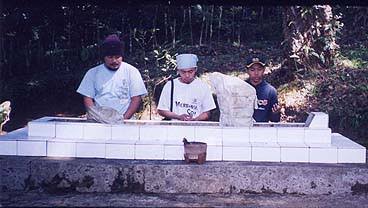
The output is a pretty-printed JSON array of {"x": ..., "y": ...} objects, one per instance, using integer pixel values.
[
  {"x": 219, "y": 25},
  {"x": 309, "y": 36},
  {"x": 202, "y": 27},
  {"x": 190, "y": 24}
]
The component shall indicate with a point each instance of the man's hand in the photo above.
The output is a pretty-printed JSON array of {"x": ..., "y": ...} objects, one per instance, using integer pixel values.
[
  {"x": 276, "y": 108},
  {"x": 185, "y": 117}
]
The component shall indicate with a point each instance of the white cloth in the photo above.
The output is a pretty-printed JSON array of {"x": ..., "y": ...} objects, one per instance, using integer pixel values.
[
  {"x": 236, "y": 99},
  {"x": 191, "y": 99},
  {"x": 186, "y": 61},
  {"x": 113, "y": 89}
]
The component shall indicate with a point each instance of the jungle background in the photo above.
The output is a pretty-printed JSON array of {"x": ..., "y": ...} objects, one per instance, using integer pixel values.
[{"x": 317, "y": 54}]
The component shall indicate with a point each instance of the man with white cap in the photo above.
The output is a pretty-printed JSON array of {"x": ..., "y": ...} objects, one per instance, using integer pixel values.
[
  {"x": 191, "y": 99},
  {"x": 114, "y": 84}
]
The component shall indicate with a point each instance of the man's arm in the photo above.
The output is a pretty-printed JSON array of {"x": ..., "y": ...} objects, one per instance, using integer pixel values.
[
  {"x": 274, "y": 115},
  {"x": 133, "y": 106},
  {"x": 172, "y": 115},
  {"x": 203, "y": 116},
  {"x": 88, "y": 102}
]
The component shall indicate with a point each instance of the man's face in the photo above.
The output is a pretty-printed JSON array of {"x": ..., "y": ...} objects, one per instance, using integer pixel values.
[
  {"x": 113, "y": 62},
  {"x": 256, "y": 72},
  {"x": 187, "y": 75}
]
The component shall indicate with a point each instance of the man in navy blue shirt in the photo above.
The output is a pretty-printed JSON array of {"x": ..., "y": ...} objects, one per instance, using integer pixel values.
[{"x": 268, "y": 108}]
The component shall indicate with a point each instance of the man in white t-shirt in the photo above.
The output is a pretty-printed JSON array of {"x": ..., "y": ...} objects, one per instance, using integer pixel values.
[
  {"x": 192, "y": 99},
  {"x": 114, "y": 84}
]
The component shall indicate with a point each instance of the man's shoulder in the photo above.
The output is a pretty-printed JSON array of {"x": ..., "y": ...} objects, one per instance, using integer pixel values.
[
  {"x": 269, "y": 86},
  {"x": 129, "y": 67},
  {"x": 96, "y": 68}
]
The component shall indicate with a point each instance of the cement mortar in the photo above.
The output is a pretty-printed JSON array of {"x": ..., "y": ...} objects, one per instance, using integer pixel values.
[{"x": 82, "y": 175}]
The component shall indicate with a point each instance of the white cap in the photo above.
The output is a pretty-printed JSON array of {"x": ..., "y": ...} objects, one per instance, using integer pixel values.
[{"x": 186, "y": 61}]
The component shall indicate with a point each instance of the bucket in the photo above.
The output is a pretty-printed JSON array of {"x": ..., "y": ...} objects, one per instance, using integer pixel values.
[{"x": 195, "y": 151}]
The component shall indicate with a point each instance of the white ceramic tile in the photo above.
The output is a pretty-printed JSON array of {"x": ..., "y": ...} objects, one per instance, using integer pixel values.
[
  {"x": 351, "y": 155},
  {"x": 294, "y": 154},
  {"x": 266, "y": 152},
  {"x": 209, "y": 135},
  {"x": 173, "y": 152},
  {"x": 237, "y": 153},
  {"x": 31, "y": 148},
  {"x": 120, "y": 151},
  {"x": 235, "y": 134},
  {"x": 180, "y": 132},
  {"x": 348, "y": 151},
  {"x": 263, "y": 134},
  {"x": 214, "y": 153},
  {"x": 323, "y": 155},
  {"x": 21, "y": 133},
  {"x": 149, "y": 151},
  {"x": 152, "y": 132},
  {"x": 320, "y": 120},
  {"x": 61, "y": 149},
  {"x": 91, "y": 150},
  {"x": 69, "y": 130},
  {"x": 97, "y": 131},
  {"x": 293, "y": 144},
  {"x": 46, "y": 129},
  {"x": 123, "y": 132},
  {"x": 317, "y": 135},
  {"x": 8, "y": 147},
  {"x": 290, "y": 134}
]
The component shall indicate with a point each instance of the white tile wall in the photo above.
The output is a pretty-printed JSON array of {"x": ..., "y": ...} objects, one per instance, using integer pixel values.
[
  {"x": 263, "y": 134},
  {"x": 290, "y": 134},
  {"x": 180, "y": 132},
  {"x": 347, "y": 150},
  {"x": 266, "y": 152},
  {"x": 209, "y": 135},
  {"x": 120, "y": 151},
  {"x": 237, "y": 153},
  {"x": 124, "y": 132},
  {"x": 31, "y": 148},
  {"x": 46, "y": 129},
  {"x": 69, "y": 130},
  {"x": 8, "y": 147},
  {"x": 214, "y": 152},
  {"x": 152, "y": 132},
  {"x": 173, "y": 152},
  {"x": 323, "y": 155},
  {"x": 165, "y": 142},
  {"x": 294, "y": 154},
  {"x": 91, "y": 149},
  {"x": 61, "y": 149},
  {"x": 97, "y": 131},
  {"x": 317, "y": 135},
  {"x": 149, "y": 151},
  {"x": 233, "y": 134},
  {"x": 320, "y": 120}
]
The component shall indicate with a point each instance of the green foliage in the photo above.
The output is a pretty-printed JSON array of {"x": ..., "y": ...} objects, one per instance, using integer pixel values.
[
  {"x": 358, "y": 56},
  {"x": 4, "y": 112}
]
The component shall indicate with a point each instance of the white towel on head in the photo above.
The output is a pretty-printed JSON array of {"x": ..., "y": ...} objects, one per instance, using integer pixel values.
[{"x": 186, "y": 61}]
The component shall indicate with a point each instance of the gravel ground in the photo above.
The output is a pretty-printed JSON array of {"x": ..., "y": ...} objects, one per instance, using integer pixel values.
[{"x": 35, "y": 199}]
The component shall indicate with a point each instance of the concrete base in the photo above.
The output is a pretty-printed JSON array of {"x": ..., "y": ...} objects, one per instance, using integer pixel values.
[{"x": 63, "y": 175}]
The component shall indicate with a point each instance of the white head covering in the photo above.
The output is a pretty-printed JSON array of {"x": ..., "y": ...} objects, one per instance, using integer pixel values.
[{"x": 186, "y": 61}]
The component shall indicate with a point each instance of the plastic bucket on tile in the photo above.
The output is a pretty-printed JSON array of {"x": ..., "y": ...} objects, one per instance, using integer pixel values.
[{"x": 195, "y": 152}]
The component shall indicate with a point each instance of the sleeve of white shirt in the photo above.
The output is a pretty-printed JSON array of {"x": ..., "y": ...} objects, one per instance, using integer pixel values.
[
  {"x": 136, "y": 84},
  {"x": 208, "y": 102},
  {"x": 164, "y": 102},
  {"x": 86, "y": 86}
]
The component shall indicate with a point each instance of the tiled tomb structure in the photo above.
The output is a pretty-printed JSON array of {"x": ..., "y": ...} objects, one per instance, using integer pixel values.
[{"x": 311, "y": 141}]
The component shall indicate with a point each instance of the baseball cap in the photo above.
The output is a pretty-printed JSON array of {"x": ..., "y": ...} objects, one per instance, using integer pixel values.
[{"x": 255, "y": 59}]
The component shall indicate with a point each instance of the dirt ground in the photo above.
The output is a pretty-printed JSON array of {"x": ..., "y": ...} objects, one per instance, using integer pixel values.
[{"x": 34, "y": 199}]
